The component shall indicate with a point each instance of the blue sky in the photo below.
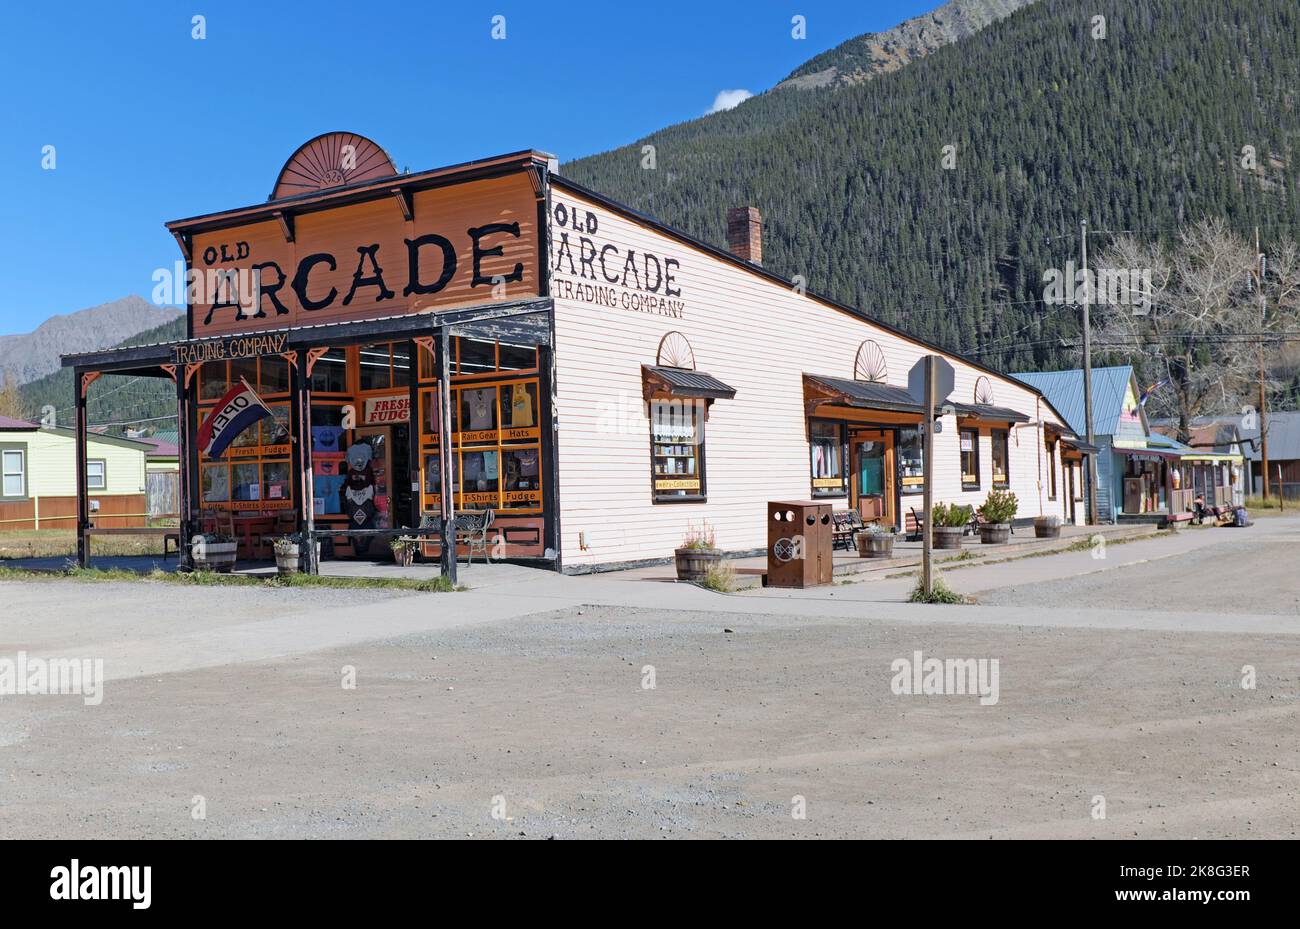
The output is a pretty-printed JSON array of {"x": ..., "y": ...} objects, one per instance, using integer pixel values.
[{"x": 150, "y": 125}]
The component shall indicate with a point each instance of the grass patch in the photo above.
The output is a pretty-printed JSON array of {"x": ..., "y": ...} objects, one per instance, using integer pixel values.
[
  {"x": 213, "y": 579},
  {"x": 966, "y": 555},
  {"x": 59, "y": 543},
  {"x": 1268, "y": 505},
  {"x": 721, "y": 578},
  {"x": 940, "y": 592}
]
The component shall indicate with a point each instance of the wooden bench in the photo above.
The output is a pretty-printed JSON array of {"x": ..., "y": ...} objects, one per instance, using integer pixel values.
[{"x": 169, "y": 535}]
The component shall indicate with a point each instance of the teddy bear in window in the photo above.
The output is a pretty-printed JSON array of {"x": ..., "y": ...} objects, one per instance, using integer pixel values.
[{"x": 357, "y": 494}]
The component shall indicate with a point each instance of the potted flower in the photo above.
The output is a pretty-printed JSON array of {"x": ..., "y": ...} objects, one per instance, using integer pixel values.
[
  {"x": 950, "y": 522},
  {"x": 996, "y": 513},
  {"x": 404, "y": 550},
  {"x": 876, "y": 541},
  {"x": 211, "y": 551},
  {"x": 288, "y": 553},
  {"x": 1047, "y": 527},
  {"x": 698, "y": 553}
]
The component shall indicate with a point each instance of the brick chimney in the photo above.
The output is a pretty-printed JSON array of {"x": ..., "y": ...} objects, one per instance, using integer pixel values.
[{"x": 745, "y": 233}]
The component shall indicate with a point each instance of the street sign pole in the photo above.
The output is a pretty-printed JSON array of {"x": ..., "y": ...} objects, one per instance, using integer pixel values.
[{"x": 927, "y": 467}]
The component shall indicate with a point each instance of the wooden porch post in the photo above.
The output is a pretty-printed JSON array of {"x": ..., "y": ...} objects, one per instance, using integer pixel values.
[
  {"x": 300, "y": 384},
  {"x": 183, "y": 442},
  {"x": 82, "y": 383},
  {"x": 447, "y": 497},
  {"x": 416, "y": 467}
]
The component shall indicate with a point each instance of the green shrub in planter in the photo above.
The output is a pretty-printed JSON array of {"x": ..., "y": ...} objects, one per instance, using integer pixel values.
[
  {"x": 996, "y": 513},
  {"x": 950, "y": 522}
]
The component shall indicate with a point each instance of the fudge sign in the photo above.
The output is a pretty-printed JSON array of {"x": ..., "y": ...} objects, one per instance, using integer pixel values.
[{"x": 590, "y": 265}]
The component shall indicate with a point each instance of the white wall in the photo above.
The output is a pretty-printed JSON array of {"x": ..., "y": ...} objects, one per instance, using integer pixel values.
[{"x": 750, "y": 332}]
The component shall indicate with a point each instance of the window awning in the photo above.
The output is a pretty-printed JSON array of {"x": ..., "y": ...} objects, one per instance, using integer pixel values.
[
  {"x": 866, "y": 395},
  {"x": 683, "y": 382},
  {"x": 1072, "y": 440},
  {"x": 997, "y": 414}
]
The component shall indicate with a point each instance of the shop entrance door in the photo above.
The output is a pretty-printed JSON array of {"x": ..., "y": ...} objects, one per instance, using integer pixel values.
[
  {"x": 377, "y": 485},
  {"x": 873, "y": 474}
]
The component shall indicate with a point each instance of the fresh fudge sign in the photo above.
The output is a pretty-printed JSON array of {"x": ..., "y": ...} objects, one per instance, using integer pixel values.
[
  {"x": 596, "y": 258},
  {"x": 469, "y": 243}
]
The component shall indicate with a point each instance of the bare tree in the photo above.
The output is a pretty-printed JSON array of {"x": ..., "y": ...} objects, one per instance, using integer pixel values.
[
  {"x": 11, "y": 401},
  {"x": 1203, "y": 324}
]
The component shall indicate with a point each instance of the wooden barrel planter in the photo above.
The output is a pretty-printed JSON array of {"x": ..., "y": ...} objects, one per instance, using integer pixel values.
[
  {"x": 875, "y": 545},
  {"x": 1047, "y": 528},
  {"x": 693, "y": 564},
  {"x": 947, "y": 537},
  {"x": 214, "y": 556},
  {"x": 995, "y": 533}
]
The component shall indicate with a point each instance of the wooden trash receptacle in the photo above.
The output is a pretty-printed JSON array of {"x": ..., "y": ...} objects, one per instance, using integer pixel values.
[{"x": 799, "y": 535}]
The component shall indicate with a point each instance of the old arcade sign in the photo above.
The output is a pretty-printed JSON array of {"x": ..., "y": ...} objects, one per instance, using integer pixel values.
[{"x": 468, "y": 243}]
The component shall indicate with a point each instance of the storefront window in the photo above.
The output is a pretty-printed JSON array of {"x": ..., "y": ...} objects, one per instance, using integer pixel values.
[
  {"x": 1051, "y": 470},
  {"x": 828, "y": 458},
  {"x": 496, "y": 444},
  {"x": 476, "y": 357},
  {"x": 911, "y": 463},
  {"x": 1001, "y": 456},
  {"x": 517, "y": 357},
  {"x": 330, "y": 373},
  {"x": 677, "y": 450},
  {"x": 374, "y": 366},
  {"x": 969, "y": 440}
]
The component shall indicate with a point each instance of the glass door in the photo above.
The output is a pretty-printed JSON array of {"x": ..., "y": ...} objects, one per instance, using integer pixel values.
[{"x": 873, "y": 475}]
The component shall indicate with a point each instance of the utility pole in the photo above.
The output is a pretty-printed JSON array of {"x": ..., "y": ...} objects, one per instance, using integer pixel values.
[
  {"x": 927, "y": 465},
  {"x": 1090, "y": 468},
  {"x": 1263, "y": 397}
]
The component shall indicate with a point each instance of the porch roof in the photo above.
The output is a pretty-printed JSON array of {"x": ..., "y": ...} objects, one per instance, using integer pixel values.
[
  {"x": 871, "y": 395},
  {"x": 524, "y": 320}
]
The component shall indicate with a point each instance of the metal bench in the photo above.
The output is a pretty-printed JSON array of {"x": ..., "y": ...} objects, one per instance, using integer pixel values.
[{"x": 471, "y": 530}]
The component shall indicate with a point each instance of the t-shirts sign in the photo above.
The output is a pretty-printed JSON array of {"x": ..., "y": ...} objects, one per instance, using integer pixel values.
[{"x": 383, "y": 410}]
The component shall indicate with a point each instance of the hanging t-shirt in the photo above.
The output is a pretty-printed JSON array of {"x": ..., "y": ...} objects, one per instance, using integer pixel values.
[
  {"x": 481, "y": 403},
  {"x": 490, "y": 465},
  {"x": 521, "y": 406}
]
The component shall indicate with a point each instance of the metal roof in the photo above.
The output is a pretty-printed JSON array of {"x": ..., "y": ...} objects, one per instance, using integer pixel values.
[
  {"x": 1064, "y": 391},
  {"x": 1283, "y": 433},
  {"x": 17, "y": 425},
  {"x": 687, "y": 383}
]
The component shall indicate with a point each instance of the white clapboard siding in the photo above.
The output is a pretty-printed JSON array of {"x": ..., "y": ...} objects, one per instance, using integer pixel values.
[{"x": 757, "y": 336}]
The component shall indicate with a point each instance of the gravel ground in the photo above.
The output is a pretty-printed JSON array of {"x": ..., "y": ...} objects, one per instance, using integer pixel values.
[
  {"x": 548, "y": 719},
  {"x": 1251, "y": 576}
]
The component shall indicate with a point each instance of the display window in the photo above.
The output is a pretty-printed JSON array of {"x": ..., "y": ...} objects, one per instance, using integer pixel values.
[
  {"x": 677, "y": 450},
  {"x": 911, "y": 461},
  {"x": 1051, "y": 470},
  {"x": 829, "y": 449},
  {"x": 253, "y": 476},
  {"x": 496, "y": 446},
  {"x": 1001, "y": 457},
  {"x": 969, "y": 442}
]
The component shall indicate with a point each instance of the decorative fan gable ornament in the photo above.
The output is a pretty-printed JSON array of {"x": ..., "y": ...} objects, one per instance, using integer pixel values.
[
  {"x": 870, "y": 364},
  {"x": 984, "y": 392},
  {"x": 332, "y": 160},
  {"x": 675, "y": 352}
]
